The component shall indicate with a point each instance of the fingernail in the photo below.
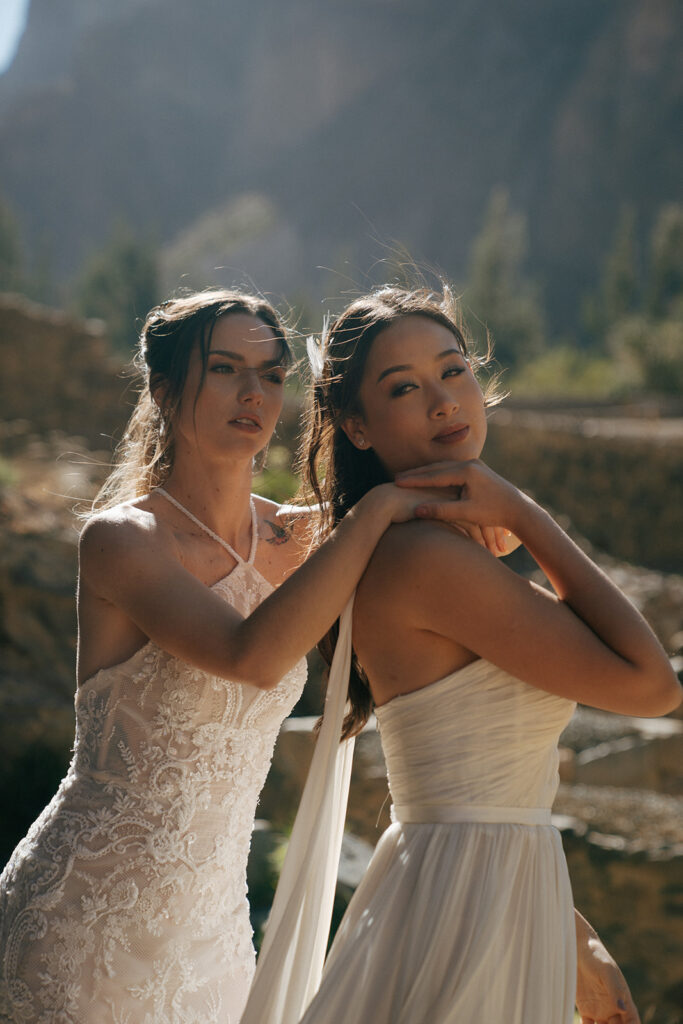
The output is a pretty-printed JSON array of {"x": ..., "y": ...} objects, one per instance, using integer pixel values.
[{"x": 422, "y": 510}]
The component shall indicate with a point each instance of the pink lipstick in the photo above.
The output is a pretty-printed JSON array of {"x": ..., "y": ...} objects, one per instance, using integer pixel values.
[{"x": 453, "y": 434}]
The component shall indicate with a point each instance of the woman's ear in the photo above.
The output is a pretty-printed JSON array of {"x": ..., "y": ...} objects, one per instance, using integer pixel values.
[
  {"x": 354, "y": 428},
  {"x": 158, "y": 392}
]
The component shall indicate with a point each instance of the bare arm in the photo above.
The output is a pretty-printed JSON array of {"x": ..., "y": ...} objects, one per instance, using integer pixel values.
[
  {"x": 131, "y": 564},
  {"x": 500, "y": 542},
  {"x": 587, "y": 642}
]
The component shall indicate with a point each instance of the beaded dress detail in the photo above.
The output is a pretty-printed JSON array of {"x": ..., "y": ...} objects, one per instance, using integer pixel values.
[{"x": 126, "y": 903}]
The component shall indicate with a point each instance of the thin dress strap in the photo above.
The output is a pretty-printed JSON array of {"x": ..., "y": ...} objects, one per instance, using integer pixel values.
[{"x": 206, "y": 529}]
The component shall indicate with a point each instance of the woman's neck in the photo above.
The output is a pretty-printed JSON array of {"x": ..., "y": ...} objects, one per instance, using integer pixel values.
[{"x": 218, "y": 495}]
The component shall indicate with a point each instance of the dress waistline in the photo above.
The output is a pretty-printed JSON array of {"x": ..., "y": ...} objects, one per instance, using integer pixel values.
[{"x": 435, "y": 814}]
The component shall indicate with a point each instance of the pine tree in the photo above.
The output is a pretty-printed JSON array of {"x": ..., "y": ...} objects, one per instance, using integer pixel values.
[
  {"x": 119, "y": 285},
  {"x": 620, "y": 292},
  {"x": 665, "y": 279},
  {"x": 11, "y": 256},
  {"x": 502, "y": 299}
]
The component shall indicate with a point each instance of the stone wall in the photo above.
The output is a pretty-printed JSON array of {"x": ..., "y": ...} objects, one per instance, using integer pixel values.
[
  {"x": 61, "y": 399},
  {"x": 58, "y": 372},
  {"x": 633, "y": 893},
  {"x": 618, "y": 479}
]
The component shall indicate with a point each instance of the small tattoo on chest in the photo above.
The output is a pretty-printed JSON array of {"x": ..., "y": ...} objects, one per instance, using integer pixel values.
[{"x": 281, "y": 534}]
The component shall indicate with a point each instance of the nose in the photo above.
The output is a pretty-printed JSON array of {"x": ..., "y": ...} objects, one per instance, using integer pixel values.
[
  {"x": 251, "y": 389},
  {"x": 442, "y": 402}
]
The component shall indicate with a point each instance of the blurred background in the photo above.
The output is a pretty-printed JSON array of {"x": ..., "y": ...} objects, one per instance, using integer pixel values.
[{"x": 531, "y": 152}]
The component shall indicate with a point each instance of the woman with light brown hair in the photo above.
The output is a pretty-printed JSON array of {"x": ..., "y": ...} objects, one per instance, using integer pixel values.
[{"x": 126, "y": 901}]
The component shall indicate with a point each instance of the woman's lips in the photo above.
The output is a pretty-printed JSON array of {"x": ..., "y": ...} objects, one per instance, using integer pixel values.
[
  {"x": 247, "y": 424},
  {"x": 452, "y": 435}
]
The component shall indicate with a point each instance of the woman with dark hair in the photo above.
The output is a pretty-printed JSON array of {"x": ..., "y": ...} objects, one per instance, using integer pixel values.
[
  {"x": 126, "y": 902},
  {"x": 465, "y": 912}
]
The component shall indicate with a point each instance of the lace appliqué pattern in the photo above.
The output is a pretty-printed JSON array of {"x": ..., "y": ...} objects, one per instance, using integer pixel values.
[{"x": 127, "y": 902}]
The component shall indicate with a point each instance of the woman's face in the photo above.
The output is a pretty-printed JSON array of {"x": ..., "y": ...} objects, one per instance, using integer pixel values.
[
  {"x": 241, "y": 397},
  {"x": 420, "y": 401}
]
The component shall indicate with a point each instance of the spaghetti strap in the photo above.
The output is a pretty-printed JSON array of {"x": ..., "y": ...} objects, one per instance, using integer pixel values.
[{"x": 224, "y": 544}]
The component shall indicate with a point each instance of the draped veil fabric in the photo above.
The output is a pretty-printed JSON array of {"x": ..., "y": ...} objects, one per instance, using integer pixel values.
[{"x": 293, "y": 952}]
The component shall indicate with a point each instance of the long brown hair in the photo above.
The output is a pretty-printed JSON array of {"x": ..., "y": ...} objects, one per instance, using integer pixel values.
[
  {"x": 144, "y": 458},
  {"x": 336, "y": 473}
]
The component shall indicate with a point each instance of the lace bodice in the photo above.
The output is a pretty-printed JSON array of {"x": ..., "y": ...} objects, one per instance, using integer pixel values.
[{"x": 133, "y": 880}]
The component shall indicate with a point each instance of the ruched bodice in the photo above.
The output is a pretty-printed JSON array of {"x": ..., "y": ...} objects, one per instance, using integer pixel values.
[
  {"x": 476, "y": 737},
  {"x": 126, "y": 901}
]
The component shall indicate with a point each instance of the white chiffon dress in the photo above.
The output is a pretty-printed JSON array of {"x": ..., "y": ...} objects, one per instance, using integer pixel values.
[
  {"x": 465, "y": 912},
  {"x": 126, "y": 903}
]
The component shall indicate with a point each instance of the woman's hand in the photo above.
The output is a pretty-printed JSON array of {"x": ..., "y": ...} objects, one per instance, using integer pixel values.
[
  {"x": 602, "y": 995},
  {"x": 445, "y": 503},
  {"x": 467, "y": 495},
  {"x": 495, "y": 539}
]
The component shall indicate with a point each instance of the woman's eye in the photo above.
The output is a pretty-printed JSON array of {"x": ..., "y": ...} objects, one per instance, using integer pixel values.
[
  {"x": 402, "y": 389},
  {"x": 222, "y": 368},
  {"x": 275, "y": 377},
  {"x": 453, "y": 371}
]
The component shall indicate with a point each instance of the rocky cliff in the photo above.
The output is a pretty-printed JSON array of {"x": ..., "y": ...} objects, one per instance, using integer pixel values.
[{"x": 354, "y": 121}]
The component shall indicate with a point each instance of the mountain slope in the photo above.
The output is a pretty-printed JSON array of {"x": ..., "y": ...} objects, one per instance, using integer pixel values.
[{"x": 403, "y": 112}]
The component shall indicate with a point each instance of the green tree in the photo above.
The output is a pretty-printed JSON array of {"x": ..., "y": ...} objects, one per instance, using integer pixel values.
[
  {"x": 11, "y": 255},
  {"x": 646, "y": 342},
  {"x": 502, "y": 299},
  {"x": 650, "y": 352},
  {"x": 620, "y": 292},
  {"x": 665, "y": 278},
  {"x": 119, "y": 284}
]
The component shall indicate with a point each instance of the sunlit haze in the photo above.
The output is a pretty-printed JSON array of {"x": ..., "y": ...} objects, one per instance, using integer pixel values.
[{"x": 12, "y": 20}]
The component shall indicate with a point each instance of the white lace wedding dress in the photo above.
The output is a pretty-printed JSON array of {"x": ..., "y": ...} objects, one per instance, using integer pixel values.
[{"x": 126, "y": 903}]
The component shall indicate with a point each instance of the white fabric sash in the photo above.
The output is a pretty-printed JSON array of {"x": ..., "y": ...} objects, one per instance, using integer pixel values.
[
  {"x": 412, "y": 814},
  {"x": 293, "y": 952}
]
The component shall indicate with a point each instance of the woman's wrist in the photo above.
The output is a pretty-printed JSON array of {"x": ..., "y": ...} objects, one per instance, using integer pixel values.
[
  {"x": 526, "y": 518},
  {"x": 585, "y": 932},
  {"x": 379, "y": 505}
]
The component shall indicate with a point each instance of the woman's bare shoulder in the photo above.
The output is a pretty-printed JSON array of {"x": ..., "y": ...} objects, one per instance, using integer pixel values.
[
  {"x": 117, "y": 534},
  {"x": 414, "y": 555},
  {"x": 422, "y": 542},
  {"x": 281, "y": 523}
]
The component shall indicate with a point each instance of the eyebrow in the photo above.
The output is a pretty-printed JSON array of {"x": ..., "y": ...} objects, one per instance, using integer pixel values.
[
  {"x": 396, "y": 369},
  {"x": 237, "y": 358}
]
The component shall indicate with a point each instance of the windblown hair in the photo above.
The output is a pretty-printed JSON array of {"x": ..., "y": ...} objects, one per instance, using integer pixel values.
[
  {"x": 144, "y": 458},
  {"x": 337, "y": 474}
]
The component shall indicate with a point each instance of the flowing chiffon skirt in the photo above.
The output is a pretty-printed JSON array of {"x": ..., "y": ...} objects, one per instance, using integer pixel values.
[{"x": 455, "y": 923}]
